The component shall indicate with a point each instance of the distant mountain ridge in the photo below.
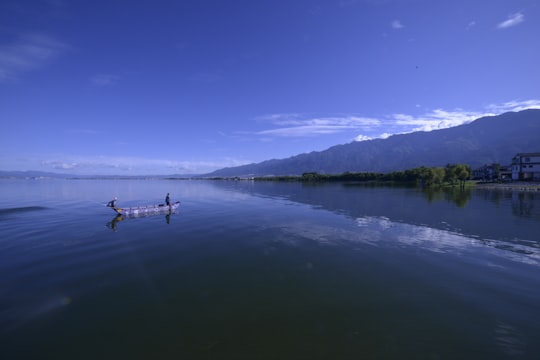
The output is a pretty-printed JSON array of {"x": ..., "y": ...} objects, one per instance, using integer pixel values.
[
  {"x": 487, "y": 140},
  {"x": 30, "y": 174}
]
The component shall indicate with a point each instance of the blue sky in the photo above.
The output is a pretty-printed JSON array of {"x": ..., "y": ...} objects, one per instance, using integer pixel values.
[{"x": 190, "y": 86}]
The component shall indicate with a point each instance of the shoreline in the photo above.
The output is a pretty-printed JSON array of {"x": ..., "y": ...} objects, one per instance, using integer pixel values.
[{"x": 511, "y": 186}]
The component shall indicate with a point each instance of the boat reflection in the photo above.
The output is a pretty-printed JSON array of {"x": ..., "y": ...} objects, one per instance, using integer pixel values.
[{"x": 113, "y": 224}]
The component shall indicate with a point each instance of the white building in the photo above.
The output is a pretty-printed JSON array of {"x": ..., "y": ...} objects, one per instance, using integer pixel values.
[{"x": 526, "y": 166}]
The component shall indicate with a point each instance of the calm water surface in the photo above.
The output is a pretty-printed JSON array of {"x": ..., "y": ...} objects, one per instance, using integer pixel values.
[{"x": 267, "y": 271}]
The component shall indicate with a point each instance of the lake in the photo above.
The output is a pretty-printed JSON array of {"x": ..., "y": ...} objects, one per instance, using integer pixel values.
[{"x": 267, "y": 270}]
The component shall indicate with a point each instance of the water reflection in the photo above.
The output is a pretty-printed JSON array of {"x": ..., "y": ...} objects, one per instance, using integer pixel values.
[
  {"x": 510, "y": 340},
  {"x": 311, "y": 272},
  {"x": 443, "y": 241},
  {"x": 450, "y": 219},
  {"x": 522, "y": 202},
  {"x": 458, "y": 196},
  {"x": 385, "y": 233},
  {"x": 113, "y": 224}
]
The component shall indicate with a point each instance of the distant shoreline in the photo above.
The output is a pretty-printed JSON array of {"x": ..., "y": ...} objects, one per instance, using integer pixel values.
[
  {"x": 504, "y": 186},
  {"x": 512, "y": 186}
]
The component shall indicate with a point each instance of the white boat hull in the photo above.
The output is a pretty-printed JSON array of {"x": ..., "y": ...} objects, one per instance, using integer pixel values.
[{"x": 147, "y": 210}]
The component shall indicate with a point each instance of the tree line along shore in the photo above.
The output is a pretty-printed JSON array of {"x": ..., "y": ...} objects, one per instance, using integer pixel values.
[{"x": 451, "y": 175}]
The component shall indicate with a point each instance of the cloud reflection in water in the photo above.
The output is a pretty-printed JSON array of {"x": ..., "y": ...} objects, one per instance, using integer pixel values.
[
  {"x": 383, "y": 232},
  {"x": 445, "y": 241}
]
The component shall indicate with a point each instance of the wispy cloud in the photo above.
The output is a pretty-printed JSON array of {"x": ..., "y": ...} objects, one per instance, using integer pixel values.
[
  {"x": 104, "y": 80},
  {"x": 362, "y": 138},
  {"x": 435, "y": 120},
  {"x": 28, "y": 52},
  {"x": 295, "y": 125},
  {"x": 514, "y": 106},
  {"x": 396, "y": 24},
  {"x": 59, "y": 165},
  {"x": 368, "y": 128},
  {"x": 442, "y": 119},
  {"x": 105, "y": 165},
  {"x": 280, "y": 125},
  {"x": 513, "y": 20}
]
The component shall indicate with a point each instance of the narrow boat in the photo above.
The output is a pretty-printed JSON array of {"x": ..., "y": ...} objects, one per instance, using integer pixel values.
[{"x": 147, "y": 210}]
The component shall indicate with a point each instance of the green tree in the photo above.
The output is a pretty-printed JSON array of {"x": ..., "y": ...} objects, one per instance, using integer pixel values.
[
  {"x": 425, "y": 175},
  {"x": 450, "y": 175},
  {"x": 457, "y": 174},
  {"x": 463, "y": 173},
  {"x": 311, "y": 176},
  {"x": 438, "y": 175}
]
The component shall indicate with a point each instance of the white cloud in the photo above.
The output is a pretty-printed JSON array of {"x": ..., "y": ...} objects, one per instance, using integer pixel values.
[
  {"x": 436, "y": 119},
  {"x": 514, "y": 106},
  {"x": 59, "y": 165},
  {"x": 293, "y": 125},
  {"x": 28, "y": 52},
  {"x": 513, "y": 20},
  {"x": 280, "y": 118},
  {"x": 288, "y": 125},
  {"x": 442, "y": 119},
  {"x": 471, "y": 25},
  {"x": 367, "y": 128},
  {"x": 396, "y": 24},
  {"x": 362, "y": 138},
  {"x": 117, "y": 165}
]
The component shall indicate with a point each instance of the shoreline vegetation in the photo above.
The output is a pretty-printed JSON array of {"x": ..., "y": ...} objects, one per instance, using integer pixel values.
[
  {"x": 450, "y": 176},
  {"x": 426, "y": 177}
]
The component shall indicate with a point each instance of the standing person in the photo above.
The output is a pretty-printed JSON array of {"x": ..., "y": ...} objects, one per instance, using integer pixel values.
[
  {"x": 112, "y": 203},
  {"x": 167, "y": 200}
]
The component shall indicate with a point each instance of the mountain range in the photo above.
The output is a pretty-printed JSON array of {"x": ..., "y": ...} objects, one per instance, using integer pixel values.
[{"x": 487, "y": 140}]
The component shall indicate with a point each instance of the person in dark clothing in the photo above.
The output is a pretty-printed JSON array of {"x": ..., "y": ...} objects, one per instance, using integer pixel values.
[
  {"x": 167, "y": 200},
  {"x": 112, "y": 203}
]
